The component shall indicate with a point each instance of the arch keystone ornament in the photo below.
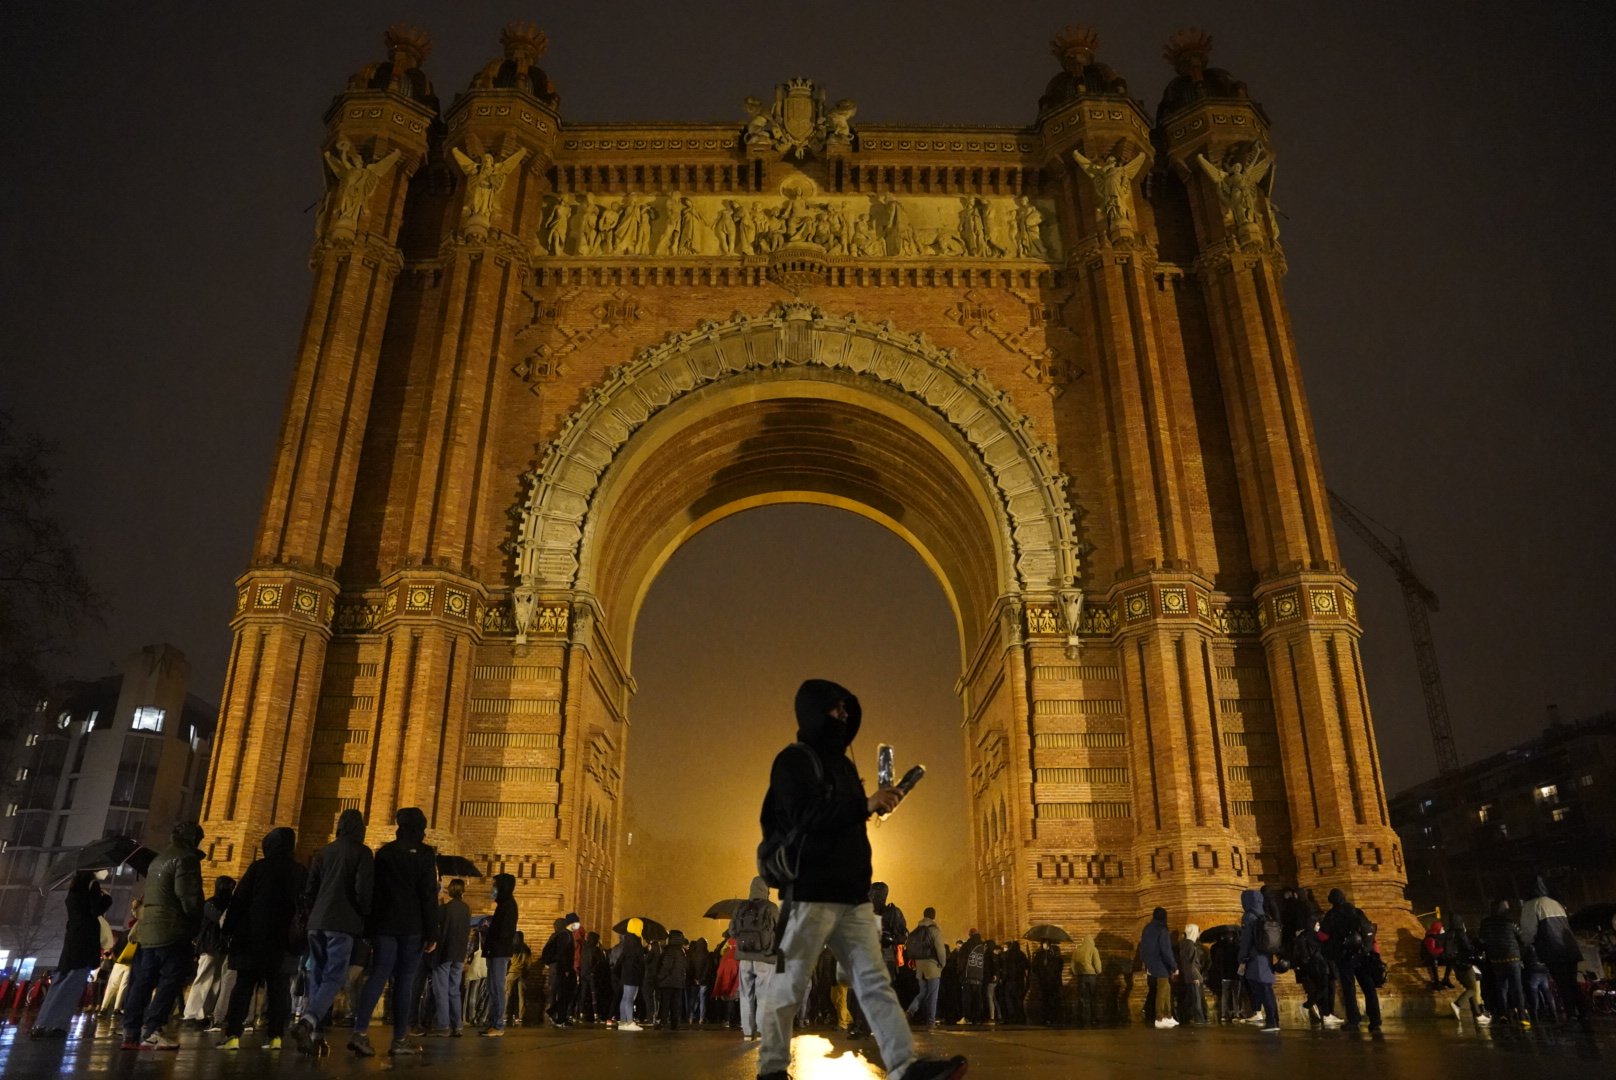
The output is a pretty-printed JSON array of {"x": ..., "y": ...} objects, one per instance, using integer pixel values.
[{"x": 1162, "y": 699}]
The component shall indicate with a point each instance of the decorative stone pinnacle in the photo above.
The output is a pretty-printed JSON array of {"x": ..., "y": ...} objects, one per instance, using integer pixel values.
[
  {"x": 1078, "y": 42},
  {"x": 523, "y": 42},
  {"x": 408, "y": 46},
  {"x": 1188, "y": 50}
]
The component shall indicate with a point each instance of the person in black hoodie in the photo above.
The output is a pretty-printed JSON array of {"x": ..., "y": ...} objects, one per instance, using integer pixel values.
[
  {"x": 337, "y": 895},
  {"x": 258, "y": 925},
  {"x": 1349, "y": 938},
  {"x": 403, "y": 926},
  {"x": 448, "y": 964},
  {"x": 498, "y": 944},
  {"x": 81, "y": 952},
  {"x": 557, "y": 957},
  {"x": 631, "y": 974},
  {"x": 815, "y": 788},
  {"x": 673, "y": 977}
]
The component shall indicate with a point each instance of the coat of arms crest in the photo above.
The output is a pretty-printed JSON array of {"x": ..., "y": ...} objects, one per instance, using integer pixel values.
[{"x": 799, "y": 123}]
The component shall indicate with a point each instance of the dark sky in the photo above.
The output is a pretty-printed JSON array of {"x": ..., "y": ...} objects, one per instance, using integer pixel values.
[{"x": 1443, "y": 169}]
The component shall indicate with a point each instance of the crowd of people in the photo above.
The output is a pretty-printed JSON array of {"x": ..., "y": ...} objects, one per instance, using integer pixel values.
[{"x": 360, "y": 935}]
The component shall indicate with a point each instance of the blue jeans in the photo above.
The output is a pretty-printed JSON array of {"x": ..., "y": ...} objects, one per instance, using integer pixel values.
[
  {"x": 446, "y": 979},
  {"x": 498, "y": 967},
  {"x": 626, "y": 1013},
  {"x": 67, "y": 990},
  {"x": 159, "y": 973},
  {"x": 925, "y": 1003},
  {"x": 395, "y": 958},
  {"x": 329, "y": 951}
]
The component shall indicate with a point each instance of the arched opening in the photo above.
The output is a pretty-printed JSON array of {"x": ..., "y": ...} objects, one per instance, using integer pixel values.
[{"x": 735, "y": 618}]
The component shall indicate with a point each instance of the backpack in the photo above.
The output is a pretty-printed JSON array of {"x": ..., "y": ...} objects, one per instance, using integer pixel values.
[
  {"x": 754, "y": 927},
  {"x": 1270, "y": 937},
  {"x": 780, "y": 852},
  {"x": 918, "y": 945},
  {"x": 1361, "y": 938}
]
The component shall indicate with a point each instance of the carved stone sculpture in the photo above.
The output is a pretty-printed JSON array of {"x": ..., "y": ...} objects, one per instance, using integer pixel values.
[
  {"x": 798, "y": 124},
  {"x": 555, "y": 227},
  {"x": 354, "y": 182},
  {"x": 1113, "y": 183},
  {"x": 1239, "y": 191},
  {"x": 485, "y": 178},
  {"x": 1028, "y": 234}
]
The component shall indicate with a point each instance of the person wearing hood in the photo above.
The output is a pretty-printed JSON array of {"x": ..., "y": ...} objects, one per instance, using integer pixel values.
[
  {"x": 753, "y": 926},
  {"x": 559, "y": 958},
  {"x": 403, "y": 926},
  {"x": 81, "y": 953},
  {"x": 1463, "y": 955},
  {"x": 1432, "y": 951},
  {"x": 631, "y": 973},
  {"x": 973, "y": 954},
  {"x": 1192, "y": 962},
  {"x": 590, "y": 1007},
  {"x": 1156, "y": 953},
  {"x": 1545, "y": 927},
  {"x": 701, "y": 981},
  {"x": 447, "y": 966},
  {"x": 1349, "y": 939},
  {"x": 926, "y": 951},
  {"x": 259, "y": 928},
  {"x": 1256, "y": 966},
  {"x": 672, "y": 978},
  {"x": 1505, "y": 946},
  {"x": 170, "y": 918},
  {"x": 1086, "y": 969},
  {"x": 337, "y": 895},
  {"x": 203, "y": 998},
  {"x": 816, "y": 795},
  {"x": 499, "y": 942}
]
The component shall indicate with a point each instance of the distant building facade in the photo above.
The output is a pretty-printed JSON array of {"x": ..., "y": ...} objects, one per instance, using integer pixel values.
[
  {"x": 1546, "y": 807},
  {"x": 125, "y": 755}
]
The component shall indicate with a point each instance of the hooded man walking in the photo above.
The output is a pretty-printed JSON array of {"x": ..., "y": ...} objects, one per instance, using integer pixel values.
[
  {"x": 258, "y": 926},
  {"x": 403, "y": 927},
  {"x": 1156, "y": 950},
  {"x": 1545, "y": 927},
  {"x": 753, "y": 927},
  {"x": 498, "y": 945},
  {"x": 337, "y": 894},
  {"x": 815, "y": 790},
  {"x": 170, "y": 918}
]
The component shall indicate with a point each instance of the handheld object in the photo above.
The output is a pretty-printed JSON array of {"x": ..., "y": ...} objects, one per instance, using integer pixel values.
[
  {"x": 911, "y": 778},
  {"x": 883, "y": 765}
]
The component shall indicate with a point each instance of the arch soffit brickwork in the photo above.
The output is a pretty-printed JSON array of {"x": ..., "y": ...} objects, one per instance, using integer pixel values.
[{"x": 793, "y": 335}]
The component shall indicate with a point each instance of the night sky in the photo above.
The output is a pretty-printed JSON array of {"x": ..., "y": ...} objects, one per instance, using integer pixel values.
[{"x": 1443, "y": 170}]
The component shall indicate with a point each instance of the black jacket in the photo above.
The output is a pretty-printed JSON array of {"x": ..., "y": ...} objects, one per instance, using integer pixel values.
[
  {"x": 631, "y": 961},
  {"x": 258, "y": 922},
  {"x": 342, "y": 879},
  {"x": 1501, "y": 939},
  {"x": 500, "y": 940},
  {"x": 557, "y": 951},
  {"x": 673, "y": 968},
  {"x": 835, "y": 862},
  {"x": 454, "y": 930},
  {"x": 86, "y": 903},
  {"x": 406, "y": 899}
]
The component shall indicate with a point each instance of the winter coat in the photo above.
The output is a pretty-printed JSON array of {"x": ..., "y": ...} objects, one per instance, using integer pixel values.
[
  {"x": 1434, "y": 945},
  {"x": 931, "y": 967},
  {"x": 727, "y": 982},
  {"x": 557, "y": 950},
  {"x": 258, "y": 923},
  {"x": 1544, "y": 926},
  {"x": 454, "y": 930},
  {"x": 86, "y": 903},
  {"x": 759, "y": 891},
  {"x": 973, "y": 948},
  {"x": 171, "y": 911},
  {"x": 1192, "y": 960},
  {"x": 341, "y": 880},
  {"x": 1156, "y": 946},
  {"x": 210, "y": 939},
  {"x": 405, "y": 903},
  {"x": 1339, "y": 924},
  {"x": 500, "y": 940},
  {"x": 1501, "y": 939},
  {"x": 1013, "y": 965},
  {"x": 829, "y": 806},
  {"x": 631, "y": 961},
  {"x": 589, "y": 962},
  {"x": 894, "y": 927},
  {"x": 673, "y": 969},
  {"x": 1258, "y": 967},
  {"x": 1085, "y": 956}
]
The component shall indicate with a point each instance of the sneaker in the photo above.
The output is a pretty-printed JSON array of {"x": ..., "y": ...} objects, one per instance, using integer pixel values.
[
  {"x": 494, "y": 1033},
  {"x": 1255, "y": 1019},
  {"x": 274, "y": 1044},
  {"x": 359, "y": 1043},
  {"x": 936, "y": 1069},
  {"x": 1166, "y": 1022},
  {"x": 1526, "y": 1025},
  {"x": 1483, "y": 1020},
  {"x": 403, "y": 1048},
  {"x": 158, "y": 1041},
  {"x": 454, "y": 1034},
  {"x": 1330, "y": 1021},
  {"x": 232, "y": 1043},
  {"x": 629, "y": 1026},
  {"x": 1270, "y": 1031},
  {"x": 1457, "y": 1015},
  {"x": 303, "y": 1035}
]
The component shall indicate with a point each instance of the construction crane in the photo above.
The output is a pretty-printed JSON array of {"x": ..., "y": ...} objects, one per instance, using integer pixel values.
[{"x": 1418, "y": 601}]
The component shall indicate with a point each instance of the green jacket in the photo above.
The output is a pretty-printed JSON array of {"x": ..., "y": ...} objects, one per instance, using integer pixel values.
[{"x": 171, "y": 910}]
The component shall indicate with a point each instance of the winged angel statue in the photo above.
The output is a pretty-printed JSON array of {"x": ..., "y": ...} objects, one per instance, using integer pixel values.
[
  {"x": 1239, "y": 185},
  {"x": 355, "y": 180},
  {"x": 485, "y": 177}
]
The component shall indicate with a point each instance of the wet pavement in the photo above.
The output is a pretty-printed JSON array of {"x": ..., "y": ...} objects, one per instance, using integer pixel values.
[{"x": 1421, "y": 1049}]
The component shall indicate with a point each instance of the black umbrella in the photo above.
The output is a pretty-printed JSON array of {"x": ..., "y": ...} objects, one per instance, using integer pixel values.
[
  {"x": 1594, "y": 918},
  {"x": 1046, "y": 932},
  {"x": 651, "y": 931},
  {"x": 103, "y": 854},
  {"x": 724, "y": 909},
  {"x": 457, "y": 866}
]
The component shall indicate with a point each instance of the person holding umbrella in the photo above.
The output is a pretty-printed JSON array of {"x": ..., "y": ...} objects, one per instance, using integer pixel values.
[{"x": 81, "y": 952}]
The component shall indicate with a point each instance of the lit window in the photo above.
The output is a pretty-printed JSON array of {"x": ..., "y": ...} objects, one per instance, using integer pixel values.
[
  {"x": 22, "y": 772},
  {"x": 1426, "y": 805},
  {"x": 1560, "y": 813},
  {"x": 1485, "y": 813},
  {"x": 1587, "y": 780},
  {"x": 32, "y": 739},
  {"x": 89, "y": 721},
  {"x": 65, "y": 719},
  {"x": 1428, "y": 830},
  {"x": 147, "y": 718},
  {"x": 1547, "y": 793},
  {"x": 11, "y": 809}
]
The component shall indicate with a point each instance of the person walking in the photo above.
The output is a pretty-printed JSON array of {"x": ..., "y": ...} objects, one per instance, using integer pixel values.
[
  {"x": 973, "y": 979},
  {"x": 1349, "y": 941},
  {"x": 1156, "y": 952},
  {"x": 1256, "y": 966},
  {"x": 558, "y": 958},
  {"x": 258, "y": 927},
  {"x": 170, "y": 917},
  {"x": 403, "y": 927},
  {"x": 926, "y": 951},
  {"x": 1545, "y": 927},
  {"x": 81, "y": 953},
  {"x": 337, "y": 894},
  {"x": 1192, "y": 963},
  {"x": 204, "y": 1001},
  {"x": 753, "y": 928},
  {"x": 1462, "y": 954},
  {"x": 1317, "y": 976},
  {"x": 1505, "y": 946},
  {"x": 499, "y": 942},
  {"x": 816, "y": 801},
  {"x": 447, "y": 963},
  {"x": 631, "y": 973}
]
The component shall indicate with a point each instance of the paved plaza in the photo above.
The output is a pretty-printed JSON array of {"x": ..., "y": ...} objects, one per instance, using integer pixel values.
[{"x": 1416, "y": 1049}]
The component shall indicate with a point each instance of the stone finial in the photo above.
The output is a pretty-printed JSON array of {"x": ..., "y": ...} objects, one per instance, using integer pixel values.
[
  {"x": 1075, "y": 47},
  {"x": 407, "y": 46},
  {"x": 1188, "y": 51},
  {"x": 523, "y": 42}
]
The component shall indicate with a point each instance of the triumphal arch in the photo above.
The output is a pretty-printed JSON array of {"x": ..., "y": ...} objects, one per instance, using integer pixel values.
[{"x": 1055, "y": 358}]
